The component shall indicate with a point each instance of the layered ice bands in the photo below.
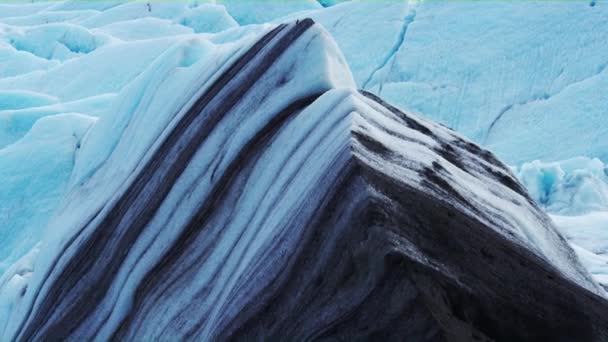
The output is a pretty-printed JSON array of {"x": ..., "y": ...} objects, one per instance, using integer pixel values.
[{"x": 279, "y": 202}]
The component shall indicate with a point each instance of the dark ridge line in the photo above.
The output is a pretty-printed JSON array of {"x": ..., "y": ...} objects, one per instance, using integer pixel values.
[
  {"x": 373, "y": 122},
  {"x": 411, "y": 123},
  {"x": 371, "y": 144},
  {"x": 96, "y": 242},
  {"x": 433, "y": 181},
  {"x": 508, "y": 181},
  {"x": 446, "y": 151},
  {"x": 478, "y": 151}
]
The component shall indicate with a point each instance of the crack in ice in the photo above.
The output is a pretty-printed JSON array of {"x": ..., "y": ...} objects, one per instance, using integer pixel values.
[
  {"x": 544, "y": 97},
  {"x": 409, "y": 19}
]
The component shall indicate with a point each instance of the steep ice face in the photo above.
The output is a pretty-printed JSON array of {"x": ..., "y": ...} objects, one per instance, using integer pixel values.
[
  {"x": 50, "y": 102},
  {"x": 521, "y": 95},
  {"x": 84, "y": 85},
  {"x": 569, "y": 187}
]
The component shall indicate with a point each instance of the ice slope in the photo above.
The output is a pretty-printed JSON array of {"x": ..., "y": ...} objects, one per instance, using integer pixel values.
[
  {"x": 59, "y": 79},
  {"x": 525, "y": 79},
  {"x": 519, "y": 77},
  {"x": 573, "y": 186},
  {"x": 587, "y": 234},
  {"x": 29, "y": 191},
  {"x": 66, "y": 66},
  {"x": 269, "y": 199}
]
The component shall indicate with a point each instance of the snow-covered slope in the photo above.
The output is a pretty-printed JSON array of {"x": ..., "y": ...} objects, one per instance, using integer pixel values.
[
  {"x": 575, "y": 193},
  {"x": 268, "y": 198},
  {"x": 52, "y": 90},
  {"x": 82, "y": 80},
  {"x": 569, "y": 187}
]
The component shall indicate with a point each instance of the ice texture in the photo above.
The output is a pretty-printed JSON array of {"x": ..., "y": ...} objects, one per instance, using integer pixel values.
[
  {"x": 575, "y": 193},
  {"x": 523, "y": 79},
  {"x": 95, "y": 66},
  {"x": 241, "y": 187}
]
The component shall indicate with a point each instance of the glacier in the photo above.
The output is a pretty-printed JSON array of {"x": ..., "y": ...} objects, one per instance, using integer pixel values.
[
  {"x": 321, "y": 205},
  {"x": 575, "y": 193},
  {"x": 89, "y": 90}
]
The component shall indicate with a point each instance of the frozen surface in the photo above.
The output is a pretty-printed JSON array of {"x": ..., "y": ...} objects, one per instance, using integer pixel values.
[
  {"x": 573, "y": 186},
  {"x": 239, "y": 185},
  {"x": 524, "y": 79},
  {"x": 575, "y": 193},
  {"x": 247, "y": 12},
  {"x": 29, "y": 191},
  {"x": 588, "y": 234},
  {"x": 523, "y": 94},
  {"x": 68, "y": 67}
]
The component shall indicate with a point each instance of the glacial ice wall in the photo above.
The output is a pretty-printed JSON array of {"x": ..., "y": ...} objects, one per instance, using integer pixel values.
[
  {"x": 43, "y": 154},
  {"x": 48, "y": 49},
  {"x": 75, "y": 76},
  {"x": 271, "y": 199}
]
